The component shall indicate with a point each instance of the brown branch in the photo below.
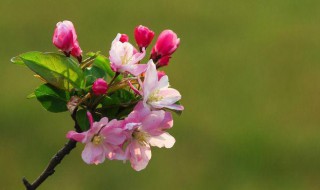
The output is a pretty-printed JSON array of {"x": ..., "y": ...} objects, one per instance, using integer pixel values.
[{"x": 55, "y": 160}]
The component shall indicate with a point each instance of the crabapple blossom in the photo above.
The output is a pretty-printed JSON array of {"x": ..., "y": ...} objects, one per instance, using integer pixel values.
[
  {"x": 156, "y": 93},
  {"x": 146, "y": 128},
  {"x": 125, "y": 58},
  {"x": 102, "y": 140},
  {"x": 140, "y": 115}
]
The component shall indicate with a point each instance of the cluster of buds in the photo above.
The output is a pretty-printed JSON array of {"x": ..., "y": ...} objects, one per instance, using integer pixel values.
[
  {"x": 132, "y": 137},
  {"x": 135, "y": 124},
  {"x": 65, "y": 39}
]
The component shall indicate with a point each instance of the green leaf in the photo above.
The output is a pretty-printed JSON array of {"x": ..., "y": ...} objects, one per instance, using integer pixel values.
[
  {"x": 118, "y": 104},
  {"x": 93, "y": 73},
  {"x": 51, "y": 98},
  {"x": 32, "y": 95},
  {"x": 121, "y": 96},
  {"x": 82, "y": 120},
  {"x": 17, "y": 60},
  {"x": 56, "y": 69}
]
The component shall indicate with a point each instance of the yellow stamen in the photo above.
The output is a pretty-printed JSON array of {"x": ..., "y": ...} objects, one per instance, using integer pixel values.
[
  {"x": 140, "y": 136},
  {"x": 97, "y": 139},
  {"x": 154, "y": 97}
]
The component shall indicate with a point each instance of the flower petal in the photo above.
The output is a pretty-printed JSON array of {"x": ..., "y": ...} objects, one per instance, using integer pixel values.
[
  {"x": 135, "y": 69},
  {"x": 139, "y": 155},
  {"x": 151, "y": 79},
  {"x": 114, "y": 136},
  {"x": 93, "y": 154},
  {"x": 163, "y": 140},
  {"x": 79, "y": 137}
]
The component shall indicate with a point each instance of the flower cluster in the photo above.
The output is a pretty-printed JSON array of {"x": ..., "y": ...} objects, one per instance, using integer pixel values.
[{"x": 122, "y": 104}]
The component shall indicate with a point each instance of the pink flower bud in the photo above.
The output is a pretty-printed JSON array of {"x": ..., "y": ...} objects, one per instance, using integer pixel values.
[
  {"x": 99, "y": 87},
  {"x": 76, "y": 50},
  {"x": 63, "y": 37},
  {"x": 161, "y": 74},
  {"x": 166, "y": 44},
  {"x": 124, "y": 38},
  {"x": 143, "y": 36},
  {"x": 163, "y": 61}
]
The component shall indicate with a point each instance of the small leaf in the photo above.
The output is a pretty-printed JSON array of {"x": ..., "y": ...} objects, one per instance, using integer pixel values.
[
  {"x": 82, "y": 120},
  {"x": 17, "y": 60},
  {"x": 93, "y": 73},
  {"x": 56, "y": 69},
  {"x": 32, "y": 95},
  {"x": 52, "y": 98},
  {"x": 118, "y": 105}
]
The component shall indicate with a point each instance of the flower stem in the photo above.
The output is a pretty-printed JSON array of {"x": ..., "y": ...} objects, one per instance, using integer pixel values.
[{"x": 55, "y": 160}]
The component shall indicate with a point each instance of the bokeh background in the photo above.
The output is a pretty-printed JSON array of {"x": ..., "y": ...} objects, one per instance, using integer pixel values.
[{"x": 248, "y": 71}]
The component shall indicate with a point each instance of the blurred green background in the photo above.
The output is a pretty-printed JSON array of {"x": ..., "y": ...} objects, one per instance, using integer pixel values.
[{"x": 248, "y": 71}]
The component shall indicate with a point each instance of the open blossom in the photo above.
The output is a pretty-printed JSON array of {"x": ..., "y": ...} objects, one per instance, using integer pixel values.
[
  {"x": 143, "y": 36},
  {"x": 125, "y": 58},
  {"x": 146, "y": 128},
  {"x": 102, "y": 140},
  {"x": 156, "y": 93},
  {"x": 65, "y": 39}
]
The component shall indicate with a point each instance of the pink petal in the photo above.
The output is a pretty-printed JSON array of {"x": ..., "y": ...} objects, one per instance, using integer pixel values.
[
  {"x": 115, "y": 136},
  {"x": 79, "y": 137},
  {"x": 151, "y": 123},
  {"x": 114, "y": 153},
  {"x": 175, "y": 107},
  {"x": 136, "y": 91},
  {"x": 169, "y": 97},
  {"x": 135, "y": 69},
  {"x": 93, "y": 154},
  {"x": 151, "y": 79},
  {"x": 163, "y": 140},
  {"x": 139, "y": 155},
  {"x": 137, "y": 56},
  {"x": 138, "y": 113},
  {"x": 90, "y": 118}
]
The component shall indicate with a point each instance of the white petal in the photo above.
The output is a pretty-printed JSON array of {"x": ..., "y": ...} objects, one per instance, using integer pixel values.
[
  {"x": 163, "y": 82},
  {"x": 151, "y": 78},
  {"x": 163, "y": 140}
]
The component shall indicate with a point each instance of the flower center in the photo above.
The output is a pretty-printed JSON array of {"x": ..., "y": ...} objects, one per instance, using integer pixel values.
[
  {"x": 97, "y": 139},
  {"x": 154, "y": 97},
  {"x": 140, "y": 136},
  {"x": 125, "y": 59}
]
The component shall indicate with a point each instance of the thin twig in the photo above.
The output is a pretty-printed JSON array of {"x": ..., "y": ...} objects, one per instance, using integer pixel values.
[{"x": 55, "y": 160}]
